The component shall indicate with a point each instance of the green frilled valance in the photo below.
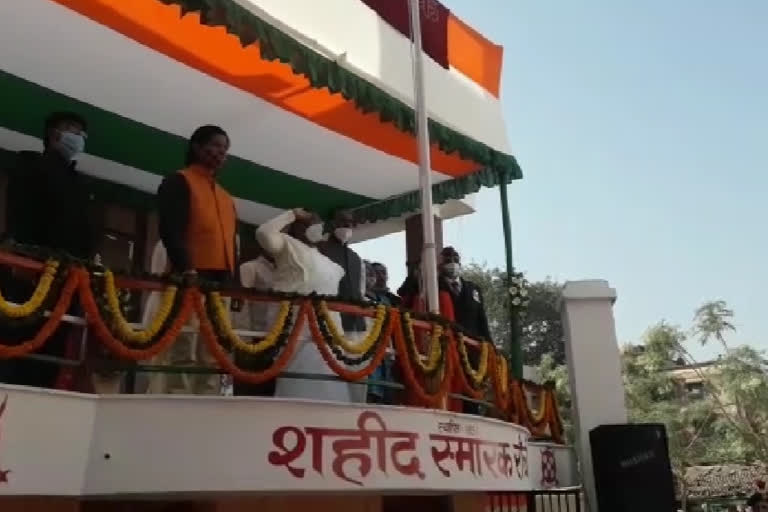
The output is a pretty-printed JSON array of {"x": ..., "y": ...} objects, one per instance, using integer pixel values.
[{"x": 323, "y": 72}]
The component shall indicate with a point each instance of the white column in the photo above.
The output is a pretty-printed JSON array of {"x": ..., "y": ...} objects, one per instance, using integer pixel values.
[{"x": 594, "y": 367}]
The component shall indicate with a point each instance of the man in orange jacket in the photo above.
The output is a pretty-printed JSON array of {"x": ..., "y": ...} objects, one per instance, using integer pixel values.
[{"x": 198, "y": 227}]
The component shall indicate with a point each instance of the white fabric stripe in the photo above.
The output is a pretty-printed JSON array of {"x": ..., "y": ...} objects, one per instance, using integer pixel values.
[
  {"x": 117, "y": 74},
  {"x": 352, "y": 33},
  {"x": 247, "y": 211}
]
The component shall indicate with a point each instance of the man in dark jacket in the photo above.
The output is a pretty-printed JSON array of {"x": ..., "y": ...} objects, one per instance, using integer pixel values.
[
  {"x": 48, "y": 207},
  {"x": 468, "y": 305},
  {"x": 352, "y": 285},
  {"x": 47, "y": 201},
  {"x": 336, "y": 249}
]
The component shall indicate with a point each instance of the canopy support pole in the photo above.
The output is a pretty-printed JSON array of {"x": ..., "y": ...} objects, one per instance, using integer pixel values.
[
  {"x": 514, "y": 349},
  {"x": 429, "y": 256}
]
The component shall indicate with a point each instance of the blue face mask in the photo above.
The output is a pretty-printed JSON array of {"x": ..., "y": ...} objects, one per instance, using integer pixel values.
[{"x": 71, "y": 144}]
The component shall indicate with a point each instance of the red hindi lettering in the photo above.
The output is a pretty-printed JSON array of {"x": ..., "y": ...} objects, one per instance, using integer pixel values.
[
  {"x": 521, "y": 457},
  {"x": 467, "y": 452},
  {"x": 438, "y": 456},
  {"x": 354, "y": 446},
  {"x": 288, "y": 455},
  {"x": 361, "y": 441},
  {"x": 506, "y": 465},
  {"x": 413, "y": 467},
  {"x": 498, "y": 461}
]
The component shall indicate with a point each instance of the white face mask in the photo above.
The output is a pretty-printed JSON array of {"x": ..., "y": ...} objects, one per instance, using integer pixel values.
[
  {"x": 452, "y": 270},
  {"x": 71, "y": 144},
  {"x": 314, "y": 233},
  {"x": 343, "y": 234}
]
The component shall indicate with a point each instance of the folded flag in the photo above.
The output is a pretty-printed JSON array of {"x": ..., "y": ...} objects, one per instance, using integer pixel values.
[{"x": 434, "y": 24}]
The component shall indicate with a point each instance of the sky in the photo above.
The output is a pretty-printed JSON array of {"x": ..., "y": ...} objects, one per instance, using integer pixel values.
[{"x": 642, "y": 132}]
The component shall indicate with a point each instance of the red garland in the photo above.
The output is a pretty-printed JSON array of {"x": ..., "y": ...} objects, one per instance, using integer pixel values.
[
  {"x": 501, "y": 399},
  {"x": 467, "y": 388},
  {"x": 433, "y": 400},
  {"x": 104, "y": 335},
  {"x": 333, "y": 364},
  {"x": 211, "y": 341},
  {"x": 50, "y": 325}
]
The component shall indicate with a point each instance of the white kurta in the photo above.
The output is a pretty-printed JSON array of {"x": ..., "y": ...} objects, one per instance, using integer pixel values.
[
  {"x": 187, "y": 350},
  {"x": 304, "y": 270}
]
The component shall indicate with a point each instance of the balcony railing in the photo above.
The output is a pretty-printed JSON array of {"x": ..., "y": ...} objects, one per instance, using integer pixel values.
[{"x": 434, "y": 357}]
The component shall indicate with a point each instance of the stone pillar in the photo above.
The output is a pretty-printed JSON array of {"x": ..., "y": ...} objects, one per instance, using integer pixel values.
[
  {"x": 414, "y": 238},
  {"x": 594, "y": 367}
]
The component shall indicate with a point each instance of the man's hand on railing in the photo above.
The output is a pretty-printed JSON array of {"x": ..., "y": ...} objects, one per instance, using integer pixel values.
[{"x": 190, "y": 277}]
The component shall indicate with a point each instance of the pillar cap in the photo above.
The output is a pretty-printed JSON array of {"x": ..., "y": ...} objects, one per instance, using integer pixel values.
[{"x": 590, "y": 289}]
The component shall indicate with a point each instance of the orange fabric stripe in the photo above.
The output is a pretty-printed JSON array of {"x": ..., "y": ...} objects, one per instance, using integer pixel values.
[
  {"x": 474, "y": 55},
  {"x": 214, "y": 52}
]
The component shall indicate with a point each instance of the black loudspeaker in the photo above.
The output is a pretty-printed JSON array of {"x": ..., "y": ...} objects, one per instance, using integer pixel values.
[{"x": 631, "y": 468}]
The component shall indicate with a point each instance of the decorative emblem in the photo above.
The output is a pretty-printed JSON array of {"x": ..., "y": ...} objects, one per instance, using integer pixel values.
[
  {"x": 3, "y": 473},
  {"x": 430, "y": 10},
  {"x": 548, "y": 469}
]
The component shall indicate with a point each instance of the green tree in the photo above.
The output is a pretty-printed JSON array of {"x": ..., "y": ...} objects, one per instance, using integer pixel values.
[
  {"x": 712, "y": 320},
  {"x": 541, "y": 330},
  {"x": 729, "y": 424},
  {"x": 653, "y": 396}
]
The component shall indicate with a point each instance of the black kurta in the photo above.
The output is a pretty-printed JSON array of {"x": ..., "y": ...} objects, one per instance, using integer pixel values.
[
  {"x": 48, "y": 204},
  {"x": 350, "y": 284}
]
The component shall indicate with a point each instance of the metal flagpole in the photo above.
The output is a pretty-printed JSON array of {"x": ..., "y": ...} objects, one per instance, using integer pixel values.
[{"x": 429, "y": 257}]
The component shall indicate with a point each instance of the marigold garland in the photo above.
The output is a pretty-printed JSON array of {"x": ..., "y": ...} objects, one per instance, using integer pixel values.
[
  {"x": 468, "y": 389},
  {"x": 222, "y": 358},
  {"x": 344, "y": 373},
  {"x": 362, "y": 346},
  {"x": 537, "y": 417},
  {"x": 435, "y": 357},
  {"x": 555, "y": 421},
  {"x": 93, "y": 316},
  {"x": 223, "y": 321},
  {"x": 509, "y": 394},
  {"x": 431, "y": 400},
  {"x": 338, "y": 352},
  {"x": 38, "y": 296},
  {"x": 500, "y": 383},
  {"x": 479, "y": 375},
  {"x": 49, "y": 327},
  {"x": 124, "y": 329}
]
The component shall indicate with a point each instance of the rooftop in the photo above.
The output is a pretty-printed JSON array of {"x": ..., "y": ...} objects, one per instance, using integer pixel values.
[{"x": 728, "y": 481}]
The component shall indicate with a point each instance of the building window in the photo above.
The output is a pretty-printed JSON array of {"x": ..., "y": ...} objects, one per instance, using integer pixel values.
[{"x": 694, "y": 390}]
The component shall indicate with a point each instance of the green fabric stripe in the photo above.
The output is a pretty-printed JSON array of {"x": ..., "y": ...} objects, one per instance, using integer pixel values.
[
  {"x": 442, "y": 192},
  {"x": 25, "y": 106},
  {"x": 326, "y": 73}
]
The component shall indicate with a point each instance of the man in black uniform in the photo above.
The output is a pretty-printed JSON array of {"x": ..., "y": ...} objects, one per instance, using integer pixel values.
[
  {"x": 468, "y": 305},
  {"x": 352, "y": 285},
  {"x": 48, "y": 207}
]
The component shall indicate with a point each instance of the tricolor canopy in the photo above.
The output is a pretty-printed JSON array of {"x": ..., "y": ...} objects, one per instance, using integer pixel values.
[{"x": 316, "y": 96}]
